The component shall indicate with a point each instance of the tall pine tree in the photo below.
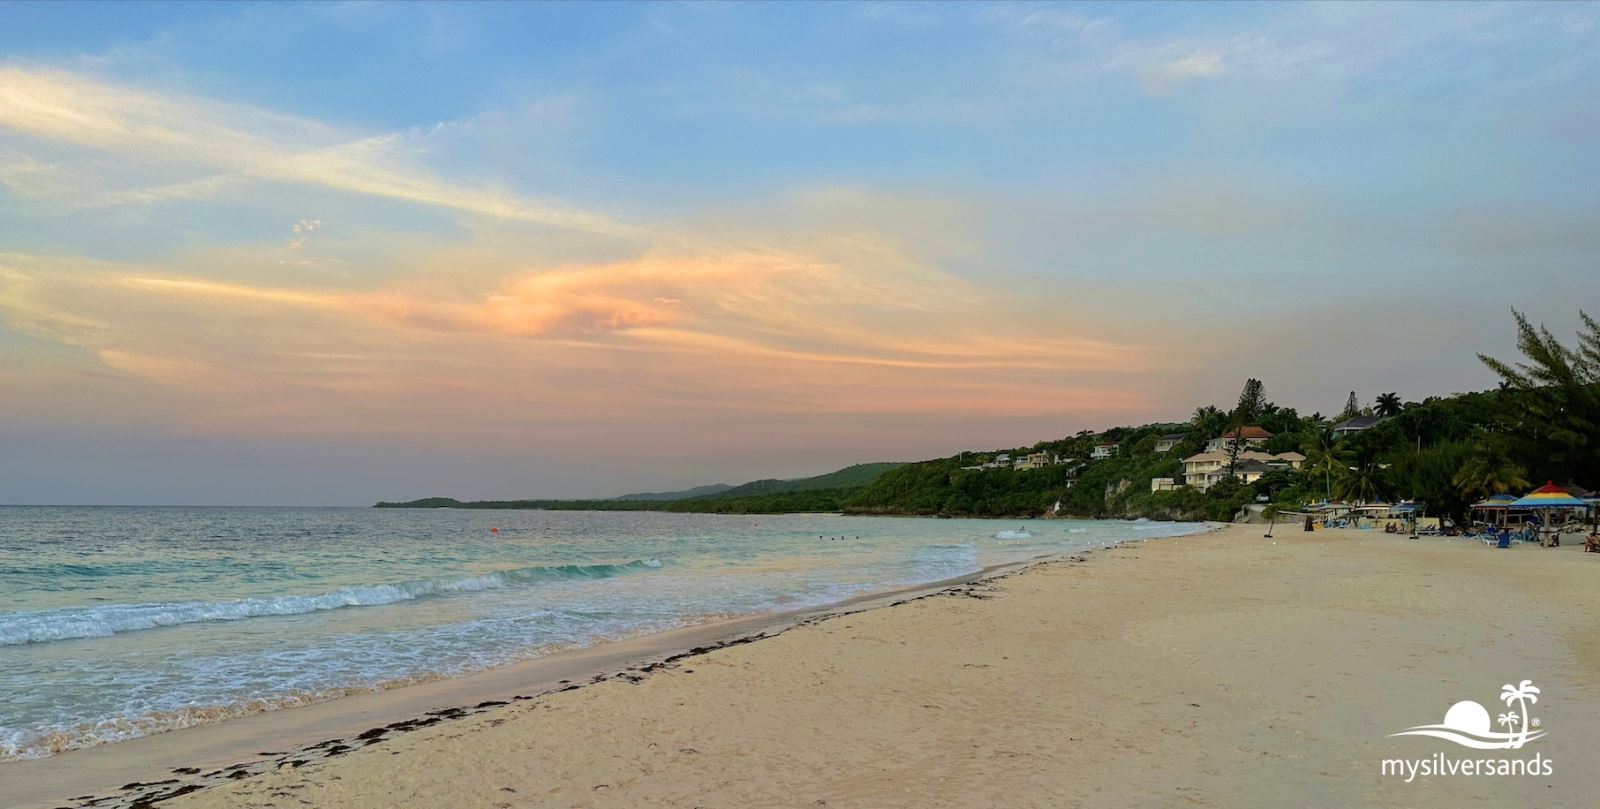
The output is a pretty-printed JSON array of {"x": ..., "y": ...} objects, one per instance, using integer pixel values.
[
  {"x": 1352, "y": 407},
  {"x": 1252, "y": 400}
]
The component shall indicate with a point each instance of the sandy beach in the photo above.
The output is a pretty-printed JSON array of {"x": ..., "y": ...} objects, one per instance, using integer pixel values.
[{"x": 1219, "y": 670}]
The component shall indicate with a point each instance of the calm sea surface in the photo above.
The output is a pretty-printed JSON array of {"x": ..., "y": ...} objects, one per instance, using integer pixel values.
[{"x": 119, "y": 622}]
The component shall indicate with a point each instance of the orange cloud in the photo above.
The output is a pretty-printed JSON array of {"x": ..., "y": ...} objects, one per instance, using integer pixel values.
[{"x": 852, "y": 328}]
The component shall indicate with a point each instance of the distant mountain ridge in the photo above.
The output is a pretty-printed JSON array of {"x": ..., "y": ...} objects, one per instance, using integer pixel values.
[
  {"x": 685, "y": 494},
  {"x": 819, "y": 493},
  {"x": 850, "y": 477}
]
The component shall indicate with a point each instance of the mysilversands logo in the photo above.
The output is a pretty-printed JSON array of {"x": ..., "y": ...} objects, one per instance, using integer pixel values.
[{"x": 1468, "y": 724}]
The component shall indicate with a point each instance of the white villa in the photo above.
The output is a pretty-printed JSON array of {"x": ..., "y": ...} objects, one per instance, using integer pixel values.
[
  {"x": 1162, "y": 484},
  {"x": 1036, "y": 460},
  {"x": 1103, "y": 450},
  {"x": 1252, "y": 436},
  {"x": 1202, "y": 471}
]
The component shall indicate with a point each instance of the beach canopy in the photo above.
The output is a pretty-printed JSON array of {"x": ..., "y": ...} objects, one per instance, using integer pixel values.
[{"x": 1548, "y": 496}]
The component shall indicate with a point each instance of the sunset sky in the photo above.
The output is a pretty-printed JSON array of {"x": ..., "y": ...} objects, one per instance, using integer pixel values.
[{"x": 326, "y": 254}]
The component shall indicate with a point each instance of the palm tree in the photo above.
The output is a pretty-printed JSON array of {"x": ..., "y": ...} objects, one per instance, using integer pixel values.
[
  {"x": 1208, "y": 421},
  {"x": 1363, "y": 481},
  {"x": 1388, "y": 404},
  {"x": 1524, "y": 694},
  {"x": 1321, "y": 456},
  {"x": 1507, "y": 719},
  {"x": 1485, "y": 475},
  {"x": 1363, "y": 476}
]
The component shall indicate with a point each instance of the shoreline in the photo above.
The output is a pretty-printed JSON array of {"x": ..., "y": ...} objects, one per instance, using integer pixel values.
[{"x": 152, "y": 768}]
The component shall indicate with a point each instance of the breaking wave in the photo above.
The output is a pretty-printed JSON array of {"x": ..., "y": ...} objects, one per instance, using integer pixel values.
[{"x": 102, "y": 621}]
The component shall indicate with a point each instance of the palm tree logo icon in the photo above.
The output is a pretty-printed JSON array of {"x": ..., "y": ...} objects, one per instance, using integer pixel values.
[
  {"x": 1523, "y": 694},
  {"x": 1467, "y": 722}
]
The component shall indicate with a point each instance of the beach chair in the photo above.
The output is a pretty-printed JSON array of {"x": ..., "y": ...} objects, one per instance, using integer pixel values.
[{"x": 1505, "y": 540}]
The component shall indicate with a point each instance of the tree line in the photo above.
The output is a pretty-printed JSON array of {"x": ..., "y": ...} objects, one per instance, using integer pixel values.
[{"x": 1542, "y": 422}]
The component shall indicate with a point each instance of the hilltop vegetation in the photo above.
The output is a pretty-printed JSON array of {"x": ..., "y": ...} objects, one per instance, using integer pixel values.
[
  {"x": 850, "y": 477},
  {"x": 1386, "y": 463},
  {"x": 685, "y": 494},
  {"x": 943, "y": 487},
  {"x": 1541, "y": 423}
]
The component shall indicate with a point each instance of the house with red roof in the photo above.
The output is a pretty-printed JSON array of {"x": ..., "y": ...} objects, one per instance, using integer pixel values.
[{"x": 1252, "y": 436}]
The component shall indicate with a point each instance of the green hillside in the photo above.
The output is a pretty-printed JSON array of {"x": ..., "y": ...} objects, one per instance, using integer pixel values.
[
  {"x": 685, "y": 494},
  {"x": 822, "y": 493},
  {"x": 850, "y": 477}
]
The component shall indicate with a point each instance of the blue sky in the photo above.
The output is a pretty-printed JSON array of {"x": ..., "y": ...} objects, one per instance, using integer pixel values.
[{"x": 793, "y": 236}]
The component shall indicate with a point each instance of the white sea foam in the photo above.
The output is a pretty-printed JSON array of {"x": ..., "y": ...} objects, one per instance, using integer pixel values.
[{"x": 103, "y": 621}]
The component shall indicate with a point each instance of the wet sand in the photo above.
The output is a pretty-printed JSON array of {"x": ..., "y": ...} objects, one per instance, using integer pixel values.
[{"x": 1219, "y": 670}]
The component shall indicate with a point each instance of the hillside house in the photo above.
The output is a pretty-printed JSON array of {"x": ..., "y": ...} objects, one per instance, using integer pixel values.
[
  {"x": 1166, "y": 443},
  {"x": 1354, "y": 425},
  {"x": 1035, "y": 460},
  {"x": 1252, "y": 436}
]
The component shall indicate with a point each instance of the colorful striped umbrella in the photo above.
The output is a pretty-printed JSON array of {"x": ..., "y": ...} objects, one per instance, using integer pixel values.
[{"x": 1548, "y": 496}]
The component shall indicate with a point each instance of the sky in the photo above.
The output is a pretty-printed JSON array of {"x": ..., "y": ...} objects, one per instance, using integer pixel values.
[{"x": 334, "y": 253}]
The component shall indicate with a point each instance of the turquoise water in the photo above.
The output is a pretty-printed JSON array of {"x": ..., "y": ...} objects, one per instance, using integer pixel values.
[{"x": 119, "y": 622}]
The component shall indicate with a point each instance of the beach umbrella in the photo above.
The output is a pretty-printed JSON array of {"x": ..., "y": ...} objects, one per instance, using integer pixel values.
[
  {"x": 1496, "y": 501},
  {"x": 1495, "y": 506},
  {"x": 1548, "y": 496}
]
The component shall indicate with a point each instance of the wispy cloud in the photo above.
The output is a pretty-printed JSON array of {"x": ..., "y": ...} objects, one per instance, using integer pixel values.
[{"x": 237, "y": 143}]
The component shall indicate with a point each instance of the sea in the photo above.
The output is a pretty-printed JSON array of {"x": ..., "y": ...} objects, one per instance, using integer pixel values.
[{"x": 118, "y": 622}]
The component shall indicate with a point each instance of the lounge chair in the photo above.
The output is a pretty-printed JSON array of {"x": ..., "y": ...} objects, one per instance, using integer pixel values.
[{"x": 1505, "y": 540}]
